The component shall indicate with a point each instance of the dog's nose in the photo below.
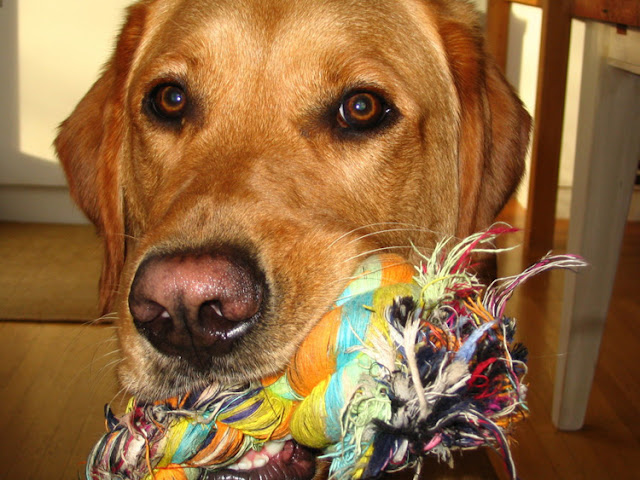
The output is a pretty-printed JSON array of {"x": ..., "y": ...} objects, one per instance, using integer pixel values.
[{"x": 197, "y": 305}]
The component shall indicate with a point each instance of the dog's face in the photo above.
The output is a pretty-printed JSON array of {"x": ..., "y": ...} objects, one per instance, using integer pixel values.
[{"x": 240, "y": 157}]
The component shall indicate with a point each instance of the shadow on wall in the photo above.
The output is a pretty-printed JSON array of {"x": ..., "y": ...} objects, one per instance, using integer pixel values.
[
  {"x": 32, "y": 189},
  {"x": 9, "y": 95}
]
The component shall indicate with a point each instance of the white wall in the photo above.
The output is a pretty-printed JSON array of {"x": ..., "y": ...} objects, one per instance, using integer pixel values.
[
  {"x": 481, "y": 5},
  {"x": 523, "y": 53},
  {"x": 522, "y": 71},
  {"x": 51, "y": 53}
]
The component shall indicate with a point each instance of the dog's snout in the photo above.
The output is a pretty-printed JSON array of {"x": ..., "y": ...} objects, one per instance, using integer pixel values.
[{"x": 196, "y": 305}]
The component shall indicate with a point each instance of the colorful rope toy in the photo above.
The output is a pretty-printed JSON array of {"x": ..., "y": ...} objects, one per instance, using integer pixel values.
[{"x": 410, "y": 362}]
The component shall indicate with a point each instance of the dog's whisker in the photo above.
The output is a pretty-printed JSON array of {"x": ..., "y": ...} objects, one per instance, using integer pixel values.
[
  {"x": 108, "y": 366},
  {"x": 121, "y": 234},
  {"x": 107, "y": 317},
  {"x": 88, "y": 368},
  {"x": 350, "y": 278},
  {"x": 398, "y": 228},
  {"x": 75, "y": 338},
  {"x": 378, "y": 250},
  {"x": 407, "y": 226},
  {"x": 108, "y": 342},
  {"x": 108, "y": 354},
  {"x": 342, "y": 281},
  {"x": 122, "y": 392},
  {"x": 345, "y": 280},
  {"x": 95, "y": 371},
  {"x": 352, "y": 231}
]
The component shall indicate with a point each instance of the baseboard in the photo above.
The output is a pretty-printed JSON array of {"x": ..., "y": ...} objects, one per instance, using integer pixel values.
[{"x": 38, "y": 205}]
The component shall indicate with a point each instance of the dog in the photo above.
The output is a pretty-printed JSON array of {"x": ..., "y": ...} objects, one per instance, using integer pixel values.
[{"x": 240, "y": 157}]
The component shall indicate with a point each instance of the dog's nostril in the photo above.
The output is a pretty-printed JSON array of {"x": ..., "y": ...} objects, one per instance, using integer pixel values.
[
  {"x": 196, "y": 305},
  {"x": 148, "y": 311},
  {"x": 215, "y": 306}
]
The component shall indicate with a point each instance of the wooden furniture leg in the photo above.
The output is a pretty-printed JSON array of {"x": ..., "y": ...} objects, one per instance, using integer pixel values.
[
  {"x": 608, "y": 148},
  {"x": 548, "y": 121},
  {"x": 549, "y": 111},
  {"x": 607, "y": 152},
  {"x": 498, "y": 30}
]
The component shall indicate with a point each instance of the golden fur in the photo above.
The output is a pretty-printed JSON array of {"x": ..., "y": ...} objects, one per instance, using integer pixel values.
[{"x": 258, "y": 162}]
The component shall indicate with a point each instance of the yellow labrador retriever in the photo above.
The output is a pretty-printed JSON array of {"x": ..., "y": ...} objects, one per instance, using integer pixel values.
[{"x": 239, "y": 157}]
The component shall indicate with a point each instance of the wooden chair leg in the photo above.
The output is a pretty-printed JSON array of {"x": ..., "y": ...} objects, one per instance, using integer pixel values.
[
  {"x": 548, "y": 121},
  {"x": 607, "y": 153},
  {"x": 497, "y": 29}
]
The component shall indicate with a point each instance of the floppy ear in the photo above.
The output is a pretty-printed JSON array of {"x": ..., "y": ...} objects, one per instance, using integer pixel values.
[
  {"x": 509, "y": 130},
  {"x": 89, "y": 145},
  {"x": 494, "y": 125}
]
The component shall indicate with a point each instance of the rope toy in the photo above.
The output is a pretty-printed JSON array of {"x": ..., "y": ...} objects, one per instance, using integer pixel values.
[{"x": 410, "y": 362}]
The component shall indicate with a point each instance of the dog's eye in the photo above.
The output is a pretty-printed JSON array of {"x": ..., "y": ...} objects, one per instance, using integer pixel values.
[
  {"x": 361, "y": 111},
  {"x": 168, "y": 101}
]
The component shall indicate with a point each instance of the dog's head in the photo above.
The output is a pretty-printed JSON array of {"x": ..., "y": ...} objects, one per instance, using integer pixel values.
[{"x": 240, "y": 157}]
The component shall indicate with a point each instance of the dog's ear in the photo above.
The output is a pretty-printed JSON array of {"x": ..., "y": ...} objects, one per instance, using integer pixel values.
[
  {"x": 89, "y": 145},
  {"x": 494, "y": 125},
  {"x": 509, "y": 130}
]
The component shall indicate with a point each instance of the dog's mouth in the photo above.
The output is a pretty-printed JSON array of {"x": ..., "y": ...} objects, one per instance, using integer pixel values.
[{"x": 277, "y": 460}]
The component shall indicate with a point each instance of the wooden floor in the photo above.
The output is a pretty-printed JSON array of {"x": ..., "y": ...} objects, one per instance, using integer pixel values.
[
  {"x": 54, "y": 378},
  {"x": 608, "y": 447}
]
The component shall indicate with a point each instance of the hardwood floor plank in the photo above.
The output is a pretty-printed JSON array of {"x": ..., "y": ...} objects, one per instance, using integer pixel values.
[
  {"x": 49, "y": 397},
  {"x": 87, "y": 391}
]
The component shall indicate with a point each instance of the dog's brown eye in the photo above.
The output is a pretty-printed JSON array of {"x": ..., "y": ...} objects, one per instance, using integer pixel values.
[
  {"x": 361, "y": 110},
  {"x": 168, "y": 101}
]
